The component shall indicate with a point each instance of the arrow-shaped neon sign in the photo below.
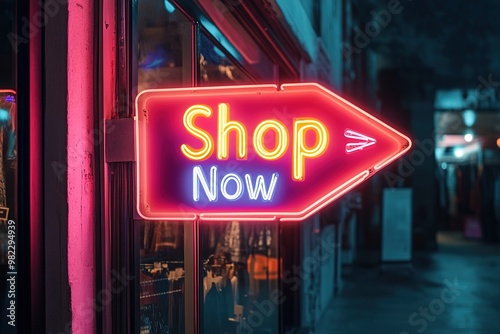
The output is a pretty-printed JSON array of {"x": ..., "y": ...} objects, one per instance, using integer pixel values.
[{"x": 229, "y": 153}]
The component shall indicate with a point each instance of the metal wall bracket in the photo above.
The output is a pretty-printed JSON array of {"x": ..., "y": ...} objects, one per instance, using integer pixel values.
[{"x": 120, "y": 140}]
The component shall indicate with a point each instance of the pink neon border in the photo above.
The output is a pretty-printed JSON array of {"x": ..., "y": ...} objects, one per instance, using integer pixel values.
[{"x": 8, "y": 91}]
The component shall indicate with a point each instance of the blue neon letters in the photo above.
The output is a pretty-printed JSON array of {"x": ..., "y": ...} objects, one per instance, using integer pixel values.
[{"x": 232, "y": 186}]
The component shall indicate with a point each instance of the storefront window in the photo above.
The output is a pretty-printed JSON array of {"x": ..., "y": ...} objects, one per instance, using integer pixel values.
[
  {"x": 162, "y": 278},
  {"x": 216, "y": 66},
  {"x": 8, "y": 162},
  {"x": 164, "y": 60},
  {"x": 230, "y": 33},
  {"x": 239, "y": 283},
  {"x": 165, "y": 44}
]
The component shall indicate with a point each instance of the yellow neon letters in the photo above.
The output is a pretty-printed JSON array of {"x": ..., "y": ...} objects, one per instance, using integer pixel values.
[
  {"x": 301, "y": 150},
  {"x": 208, "y": 143},
  {"x": 281, "y": 139},
  {"x": 226, "y": 126}
]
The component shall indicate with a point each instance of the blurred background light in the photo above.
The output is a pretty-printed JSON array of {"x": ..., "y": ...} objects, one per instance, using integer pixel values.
[
  {"x": 469, "y": 117},
  {"x": 169, "y": 7},
  {"x": 458, "y": 152}
]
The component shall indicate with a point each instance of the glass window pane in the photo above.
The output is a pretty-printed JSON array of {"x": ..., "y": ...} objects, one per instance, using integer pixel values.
[
  {"x": 228, "y": 30},
  {"x": 239, "y": 283},
  {"x": 162, "y": 278},
  {"x": 9, "y": 227},
  {"x": 216, "y": 66},
  {"x": 8, "y": 154},
  {"x": 164, "y": 46},
  {"x": 164, "y": 60}
]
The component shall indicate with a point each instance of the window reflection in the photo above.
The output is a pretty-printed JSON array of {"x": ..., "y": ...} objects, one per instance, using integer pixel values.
[
  {"x": 240, "y": 271},
  {"x": 164, "y": 37},
  {"x": 229, "y": 32},
  {"x": 216, "y": 67},
  {"x": 162, "y": 278},
  {"x": 8, "y": 163},
  {"x": 164, "y": 58},
  {"x": 9, "y": 224}
]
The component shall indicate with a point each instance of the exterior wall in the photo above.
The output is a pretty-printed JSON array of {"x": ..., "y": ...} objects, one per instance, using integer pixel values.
[
  {"x": 308, "y": 6},
  {"x": 308, "y": 288},
  {"x": 318, "y": 268},
  {"x": 407, "y": 99},
  {"x": 300, "y": 23},
  {"x": 331, "y": 36},
  {"x": 80, "y": 177},
  {"x": 55, "y": 191},
  {"x": 68, "y": 145},
  {"x": 327, "y": 267},
  {"x": 322, "y": 46}
]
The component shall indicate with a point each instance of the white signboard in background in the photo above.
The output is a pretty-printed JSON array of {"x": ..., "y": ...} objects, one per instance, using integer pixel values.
[
  {"x": 497, "y": 199},
  {"x": 397, "y": 225}
]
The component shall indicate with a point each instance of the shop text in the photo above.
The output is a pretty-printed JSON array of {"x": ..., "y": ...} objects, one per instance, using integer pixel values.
[{"x": 301, "y": 129}]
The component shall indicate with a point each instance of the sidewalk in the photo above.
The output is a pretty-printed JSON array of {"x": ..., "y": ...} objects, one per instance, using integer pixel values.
[{"x": 455, "y": 290}]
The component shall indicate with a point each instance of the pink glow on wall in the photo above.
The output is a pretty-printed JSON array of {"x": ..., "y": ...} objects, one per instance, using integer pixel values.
[
  {"x": 36, "y": 177},
  {"x": 109, "y": 109},
  {"x": 80, "y": 169}
]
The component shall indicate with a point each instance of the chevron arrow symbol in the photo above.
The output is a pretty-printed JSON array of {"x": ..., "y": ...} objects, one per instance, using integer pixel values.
[{"x": 361, "y": 143}]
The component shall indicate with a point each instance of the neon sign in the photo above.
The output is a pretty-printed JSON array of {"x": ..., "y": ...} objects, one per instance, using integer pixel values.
[{"x": 253, "y": 152}]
